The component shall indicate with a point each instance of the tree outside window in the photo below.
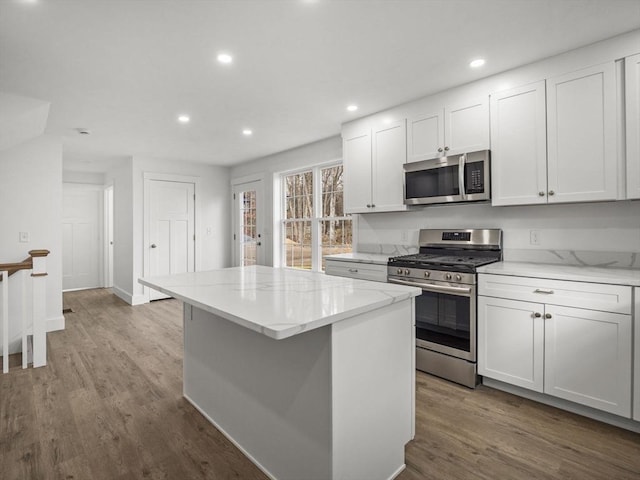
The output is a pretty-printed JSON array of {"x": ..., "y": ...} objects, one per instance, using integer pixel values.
[{"x": 314, "y": 222}]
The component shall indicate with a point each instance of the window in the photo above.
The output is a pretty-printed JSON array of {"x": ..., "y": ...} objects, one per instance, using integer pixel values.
[{"x": 314, "y": 223}]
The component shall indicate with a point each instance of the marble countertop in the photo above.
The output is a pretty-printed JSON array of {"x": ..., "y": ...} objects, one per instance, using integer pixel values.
[
  {"x": 374, "y": 258},
  {"x": 613, "y": 276},
  {"x": 279, "y": 302}
]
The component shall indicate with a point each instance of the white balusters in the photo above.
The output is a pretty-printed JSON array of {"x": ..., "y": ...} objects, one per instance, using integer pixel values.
[{"x": 32, "y": 323}]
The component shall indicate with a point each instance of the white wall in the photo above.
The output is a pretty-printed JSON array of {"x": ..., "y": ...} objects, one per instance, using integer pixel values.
[
  {"x": 212, "y": 211},
  {"x": 122, "y": 180},
  {"x": 31, "y": 201},
  {"x": 269, "y": 167},
  {"x": 606, "y": 234}
]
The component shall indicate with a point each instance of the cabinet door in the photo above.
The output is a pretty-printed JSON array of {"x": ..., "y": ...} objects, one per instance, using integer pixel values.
[
  {"x": 356, "y": 151},
  {"x": 425, "y": 136},
  {"x": 467, "y": 127},
  {"x": 510, "y": 341},
  {"x": 588, "y": 358},
  {"x": 389, "y": 155},
  {"x": 636, "y": 361},
  {"x": 581, "y": 135},
  {"x": 519, "y": 146},
  {"x": 632, "y": 90}
]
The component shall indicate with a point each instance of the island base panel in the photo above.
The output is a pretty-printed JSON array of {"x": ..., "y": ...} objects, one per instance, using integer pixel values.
[{"x": 328, "y": 403}]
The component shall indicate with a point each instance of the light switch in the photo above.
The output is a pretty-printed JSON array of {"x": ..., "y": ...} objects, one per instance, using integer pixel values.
[{"x": 24, "y": 237}]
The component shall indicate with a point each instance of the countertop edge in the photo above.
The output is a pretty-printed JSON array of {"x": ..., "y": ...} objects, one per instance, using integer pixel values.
[
  {"x": 574, "y": 273},
  {"x": 281, "y": 334}
]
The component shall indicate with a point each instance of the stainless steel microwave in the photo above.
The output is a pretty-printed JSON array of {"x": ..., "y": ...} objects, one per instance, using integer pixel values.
[{"x": 456, "y": 178}]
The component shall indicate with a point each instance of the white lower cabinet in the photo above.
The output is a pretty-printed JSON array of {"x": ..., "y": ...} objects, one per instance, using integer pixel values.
[
  {"x": 578, "y": 354},
  {"x": 358, "y": 270},
  {"x": 636, "y": 349}
]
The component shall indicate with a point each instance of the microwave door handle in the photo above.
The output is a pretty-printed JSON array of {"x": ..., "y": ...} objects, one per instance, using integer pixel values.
[{"x": 463, "y": 192}]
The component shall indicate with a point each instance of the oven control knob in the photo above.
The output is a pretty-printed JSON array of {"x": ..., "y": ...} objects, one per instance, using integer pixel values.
[
  {"x": 448, "y": 276},
  {"x": 458, "y": 277},
  {"x": 399, "y": 271},
  {"x": 427, "y": 274},
  {"x": 406, "y": 272}
]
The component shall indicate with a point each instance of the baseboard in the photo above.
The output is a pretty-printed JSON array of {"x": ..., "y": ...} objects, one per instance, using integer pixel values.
[
  {"x": 56, "y": 323},
  {"x": 129, "y": 298},
  {"x": 605, "y": 417}
]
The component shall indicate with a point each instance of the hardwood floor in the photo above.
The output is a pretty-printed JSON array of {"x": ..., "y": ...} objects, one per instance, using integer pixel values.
[{"x": 109, "y": 406}]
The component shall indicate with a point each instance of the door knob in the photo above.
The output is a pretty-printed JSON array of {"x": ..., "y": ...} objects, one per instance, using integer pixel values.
[
  {"x": 551, "y": 192},
  {"x": 541, "y": 194},
  {"x": 446, "y": 149},
  {"x": 537, "y": 314},
  {"x": 547, "y": 315},
  {"x": 440, "y": 149},
  {"x": 153, "y": 245}
]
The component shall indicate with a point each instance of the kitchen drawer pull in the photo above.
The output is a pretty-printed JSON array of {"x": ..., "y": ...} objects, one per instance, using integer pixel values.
[
  {"x": 353, "y": 270},
  {"x": 543, "y": 290}
]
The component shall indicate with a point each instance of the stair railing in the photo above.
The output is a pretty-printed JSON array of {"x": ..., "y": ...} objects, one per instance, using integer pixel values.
[{"x": 34, "y": 333}]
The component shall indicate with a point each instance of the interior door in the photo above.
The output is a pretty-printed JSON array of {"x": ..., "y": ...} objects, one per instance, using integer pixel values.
[
  {"x": 248, "y": 224},
  {"x": 171, "y": 229},
  {"x": 81, "y": 243}
]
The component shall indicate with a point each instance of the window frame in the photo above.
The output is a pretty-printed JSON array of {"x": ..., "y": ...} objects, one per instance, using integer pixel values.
[{"x": 316, "y": 219}]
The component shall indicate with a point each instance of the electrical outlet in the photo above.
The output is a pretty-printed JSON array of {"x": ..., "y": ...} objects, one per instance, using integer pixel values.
[
  {"x": 534, "y": 237},
  {"x": 24, "y": 237}
]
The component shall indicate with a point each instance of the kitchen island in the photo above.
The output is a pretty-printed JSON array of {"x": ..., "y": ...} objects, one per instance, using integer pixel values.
[{"x": 310, "y": 375}]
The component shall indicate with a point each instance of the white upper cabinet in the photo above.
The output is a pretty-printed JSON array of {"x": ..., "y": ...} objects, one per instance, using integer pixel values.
[
  {"x": 425, "y": 135},
  {"x": 467, "y": 126},
  {"x": 373, "y": 170},
  {"x": 581, "y": 135},
  {"x": 388, "y": 157},
  {"x": 632, "y": 95},
  {"x": 519, "y": 146},
  {"x": 448, "y": 131},
  {"x": 356, "y": 151}
]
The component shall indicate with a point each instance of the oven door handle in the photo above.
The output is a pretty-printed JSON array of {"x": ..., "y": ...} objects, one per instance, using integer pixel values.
[{"x": 466, "y": 291}]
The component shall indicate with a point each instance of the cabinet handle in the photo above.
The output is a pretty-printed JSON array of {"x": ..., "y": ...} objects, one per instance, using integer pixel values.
[
  {"x": 368, "y": 205},
  {"x": 547, "y": 315},
  {"x": 543, "y": 290},
  {"x": 373, "y": 205},
  {"x": 446, "y": 149},
  {"x": 353, "y": 270},
  {"x": 440, "y": 149},
  {"x": 551, "y": 192},
  {"x": 541, "y": 194},
  {"x": 537, "y": 314}
]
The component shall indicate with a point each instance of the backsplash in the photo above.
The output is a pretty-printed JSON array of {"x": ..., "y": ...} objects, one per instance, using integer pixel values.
[{"x": 594, "y": 234}]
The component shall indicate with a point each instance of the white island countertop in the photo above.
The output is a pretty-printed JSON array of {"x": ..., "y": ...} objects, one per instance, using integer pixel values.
[
  {"x": 612, "y": 276},
  {"x": 279, "y": 302}
]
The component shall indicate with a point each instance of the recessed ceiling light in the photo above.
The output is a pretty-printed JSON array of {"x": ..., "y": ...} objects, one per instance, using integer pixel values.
[
  {"x": 184, "y": 119},
  {"x": 478, "y": 62},
  {"x": 225, "y": 58},
  {"x": 352, "y": 108},
  {"x": 247, "y": 132}
]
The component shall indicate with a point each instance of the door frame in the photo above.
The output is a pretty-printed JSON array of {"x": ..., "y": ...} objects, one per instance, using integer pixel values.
[
  {"x": 146, "y": 236},
  {"x": 261, "y": 254},
  {"x": 109, "y": 225}
]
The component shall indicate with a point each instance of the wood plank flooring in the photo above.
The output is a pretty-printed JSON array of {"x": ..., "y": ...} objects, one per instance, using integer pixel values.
[{"x": 109, "y": 406}]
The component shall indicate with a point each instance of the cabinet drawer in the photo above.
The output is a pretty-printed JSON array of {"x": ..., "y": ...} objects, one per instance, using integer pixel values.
[
  {"x": 591, "y": 296},
  {"x": 361, "y": 271}
]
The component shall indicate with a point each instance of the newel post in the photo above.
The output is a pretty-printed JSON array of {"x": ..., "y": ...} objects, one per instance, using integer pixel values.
[{"x": 39, "y": 280}]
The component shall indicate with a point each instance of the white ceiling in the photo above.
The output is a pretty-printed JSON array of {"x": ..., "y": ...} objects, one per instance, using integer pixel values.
[{"x": 125, "y": 69}]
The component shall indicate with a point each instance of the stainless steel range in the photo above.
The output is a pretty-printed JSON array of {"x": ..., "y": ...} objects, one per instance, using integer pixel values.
[{"x": 446, "y": 312}]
